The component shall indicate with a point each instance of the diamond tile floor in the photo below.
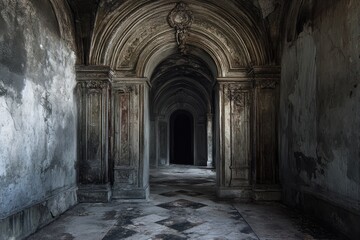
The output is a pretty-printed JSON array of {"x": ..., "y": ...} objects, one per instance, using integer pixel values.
[{"x": 182, "y": 205}]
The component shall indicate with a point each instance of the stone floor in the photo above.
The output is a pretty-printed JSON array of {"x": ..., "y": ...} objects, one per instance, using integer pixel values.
[{"x": 182, "y": 205}]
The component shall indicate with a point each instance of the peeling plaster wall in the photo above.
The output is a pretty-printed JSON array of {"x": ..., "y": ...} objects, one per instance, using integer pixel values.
[
  {"x": 320, "y": 115},
  {"x": 37, "y": 110}
]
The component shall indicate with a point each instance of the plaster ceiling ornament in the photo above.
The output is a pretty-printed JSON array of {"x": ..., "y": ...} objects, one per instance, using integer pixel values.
[{"x": 181, "y": 18}]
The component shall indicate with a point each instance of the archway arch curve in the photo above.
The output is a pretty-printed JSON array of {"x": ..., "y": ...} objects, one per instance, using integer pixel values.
[{"x": 135, "y": 37}]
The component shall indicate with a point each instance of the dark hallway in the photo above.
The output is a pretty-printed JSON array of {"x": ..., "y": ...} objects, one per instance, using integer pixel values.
[
  {"x": 188, "y": 119},
  {"x": 182, "y": 150}
]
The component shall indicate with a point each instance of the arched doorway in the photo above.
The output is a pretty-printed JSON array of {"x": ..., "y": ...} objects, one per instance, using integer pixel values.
[
  {"x": 181, "y": 103},
  {"x": 140, "y": 75},
  {"x": 181, "y": 138}
]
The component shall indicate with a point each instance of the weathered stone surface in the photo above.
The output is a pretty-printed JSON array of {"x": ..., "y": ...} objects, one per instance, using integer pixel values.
[
  {"x": 234, "y": 160},
  {"x": 38, "y": 119},
  {"x": 319, "y": 112},
  {"x": 131, "y": 139},
  {"x": 30, "y": 219}
]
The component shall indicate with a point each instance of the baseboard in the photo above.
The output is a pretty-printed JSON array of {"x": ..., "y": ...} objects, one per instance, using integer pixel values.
[
  {"x": 328, "y": 209},
  {"x": 267, "y": 193},
  {"x": 139, "y": 193},
  {"x": 345, "y": 221},
  {"x": 243, "y": 194},
  {"x": 28, "y": 220}
]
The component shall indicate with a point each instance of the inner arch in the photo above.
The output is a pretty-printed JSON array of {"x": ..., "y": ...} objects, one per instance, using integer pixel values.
[{"x": 181, "y": 101}]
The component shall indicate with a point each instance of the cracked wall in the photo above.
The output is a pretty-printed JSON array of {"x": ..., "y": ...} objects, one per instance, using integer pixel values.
[
  {"x": 319, "y": 111},
  {"x": 37, "y": 109}
]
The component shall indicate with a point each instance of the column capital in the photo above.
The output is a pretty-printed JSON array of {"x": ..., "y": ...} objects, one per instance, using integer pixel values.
[{"x": 99, "y": 73}]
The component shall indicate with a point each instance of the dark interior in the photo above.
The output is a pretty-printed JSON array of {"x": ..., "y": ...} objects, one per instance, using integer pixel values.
[{"x": 181, "y": 146}]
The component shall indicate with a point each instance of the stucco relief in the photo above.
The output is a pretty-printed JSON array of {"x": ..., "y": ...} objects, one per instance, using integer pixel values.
[
  {"x": 239, "y": 95},
  {"x": 94, "y": 84},
  {"x": 222, "y": 38},
  {"x": 181, "y": 18},
  {"x": 132, "y": 46},
  {"x": 267, "y": 84}
]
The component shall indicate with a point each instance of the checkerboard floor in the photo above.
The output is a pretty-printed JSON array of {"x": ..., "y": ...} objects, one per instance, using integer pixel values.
[{"x": 182, "y": 205}]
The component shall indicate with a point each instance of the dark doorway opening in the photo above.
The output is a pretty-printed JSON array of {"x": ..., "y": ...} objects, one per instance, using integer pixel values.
[{"x": 182, "y": 138}]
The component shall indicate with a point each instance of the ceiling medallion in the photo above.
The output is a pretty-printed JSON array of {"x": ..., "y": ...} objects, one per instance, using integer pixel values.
[{"x": 181, "y": 19}]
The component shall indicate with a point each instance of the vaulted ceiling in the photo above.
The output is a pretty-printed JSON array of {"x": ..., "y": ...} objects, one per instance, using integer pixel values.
[{"x": 127, "y": 35}]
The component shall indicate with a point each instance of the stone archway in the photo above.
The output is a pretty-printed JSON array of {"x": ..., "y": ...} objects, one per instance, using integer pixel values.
[{"x": 138, "y": 75}]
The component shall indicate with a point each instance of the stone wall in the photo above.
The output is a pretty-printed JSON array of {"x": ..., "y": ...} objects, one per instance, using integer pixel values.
[
  {"x": 37, "y": 118},
  {"x": 320, "y": 117}
]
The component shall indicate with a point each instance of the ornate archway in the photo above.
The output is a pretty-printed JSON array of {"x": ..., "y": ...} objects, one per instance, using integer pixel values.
[{"x": 139, "y": 74}]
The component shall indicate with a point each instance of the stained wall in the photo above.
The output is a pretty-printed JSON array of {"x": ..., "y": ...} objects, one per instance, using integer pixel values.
[
  {"x": 37, "y": 118},
  {"x": 320, "y": 114}
]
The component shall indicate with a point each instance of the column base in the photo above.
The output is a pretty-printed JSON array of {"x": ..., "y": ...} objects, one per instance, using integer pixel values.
[
  {"x": 94, "y": 193},
  {"x": 248, "y": 193},
  {"x": 243, "y": 193},
  {"x": 267, "y": 193},
  {"x": 139, "y": 193}
]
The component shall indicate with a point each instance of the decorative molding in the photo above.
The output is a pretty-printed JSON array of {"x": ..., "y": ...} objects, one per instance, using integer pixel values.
[
  {"x": 131, "y": 49},
  {"x": 124, "y": 88},
  {"x": 240, "y": 95},
  {"x": 181, "y": 18},
  {"x": 85, "y": 73},
  {"x": 266, "y": 83},
  {"x": 233, "y": 50},
  {"x": 94, "y": 84}
]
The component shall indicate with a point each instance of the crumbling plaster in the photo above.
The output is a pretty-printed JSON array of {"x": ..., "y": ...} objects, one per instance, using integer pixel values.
[
  {"x": 319, "y": 107},
  {"x": 38, "y": 114}
]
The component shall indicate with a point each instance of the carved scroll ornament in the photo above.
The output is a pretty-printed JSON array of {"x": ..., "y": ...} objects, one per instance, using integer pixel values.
[
  {"x": 94, "y": 84},
  {"x": 181, "y": 19}
]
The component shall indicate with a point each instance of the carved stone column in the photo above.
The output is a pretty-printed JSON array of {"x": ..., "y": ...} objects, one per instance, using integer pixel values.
[
  {"x": 162, "y": 141},
  {"x": 233, "y": 160},
  {"x": 130, "y": 150},
  {"x": 210, "y": 162},
  {"x": 93, "y": 86},
  {"x": 266, "y": 176}
]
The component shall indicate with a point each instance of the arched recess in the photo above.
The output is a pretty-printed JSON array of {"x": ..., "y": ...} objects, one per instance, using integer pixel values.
[{"x": 181, "y": 83}]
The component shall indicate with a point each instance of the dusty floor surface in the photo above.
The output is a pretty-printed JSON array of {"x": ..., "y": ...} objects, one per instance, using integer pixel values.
[{"x": 182, "y": 205}]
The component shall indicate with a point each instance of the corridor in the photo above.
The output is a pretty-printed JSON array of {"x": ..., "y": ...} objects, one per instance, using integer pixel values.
[{"x": 182, "y": 205}]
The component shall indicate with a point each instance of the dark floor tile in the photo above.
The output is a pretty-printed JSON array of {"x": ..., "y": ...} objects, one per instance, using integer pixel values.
[
  {"x": 123, "y": 221},
  {"x": 247, "y": 230},
  {"x": 189, "y": 193},
  {"x": 178, "y": 224},
  {"x": 183, "y": 192},
  {"x": 119, "y": 233},
  {"x": 167, "y": 237},
  {"x": 168, "y": 194},
  {"x": 52, "y": 236},
  {"x": 236, "y": 215},
  {"x": 181, "y": 203},
  {"x": 109, "y": 215},
  {"x": 182, "y": 182}
]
